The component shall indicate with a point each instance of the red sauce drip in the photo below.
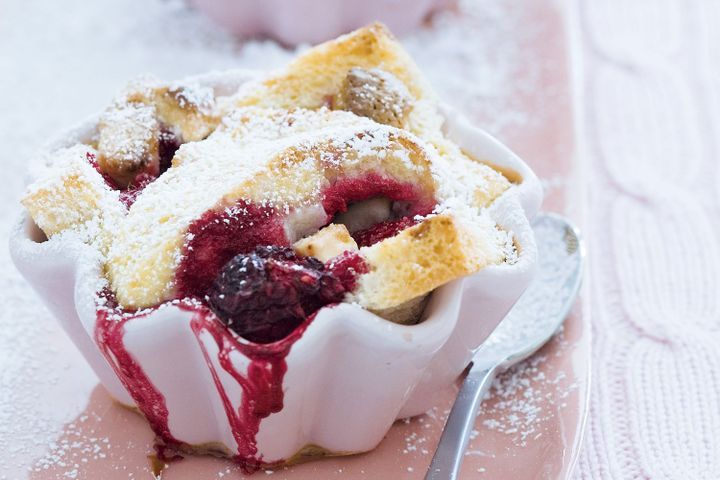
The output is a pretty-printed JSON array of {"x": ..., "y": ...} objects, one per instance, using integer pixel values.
[
  {"x": 382, "y": 230},
  {"x": 218, "y": 236},
  {"x": 215, "y": 238},
  {"x": 345, "y": 191},
  {"x": 109, "y": 336},
  {"x": 262, "y": 392},
  {"x": 261, "y": 385},
  {"x": 347, "y": 268}
]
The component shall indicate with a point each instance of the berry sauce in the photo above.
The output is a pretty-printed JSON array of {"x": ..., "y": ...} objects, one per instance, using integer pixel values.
[
  {"x": 217, "y": 237},
  {"x": 347, "y": 267},
  {"x": 382, "y": 230},
  {"x": 168, "y": 144},
  {"x": 345, "y": 191},
  {"x": 109, "y": 336},
  {"x": 261, "y": 383}
]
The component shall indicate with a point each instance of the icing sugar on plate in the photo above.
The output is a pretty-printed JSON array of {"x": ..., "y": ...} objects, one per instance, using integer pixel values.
[{"x": 472, "y": 58}]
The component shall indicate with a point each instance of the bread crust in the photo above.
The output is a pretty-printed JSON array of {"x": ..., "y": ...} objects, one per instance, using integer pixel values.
[
  {"x": 420, "y": 259},
  {"x": 75, "y": 197},
  {"x": 131, "y": 130},
  {"x": 314, "y": 78}
]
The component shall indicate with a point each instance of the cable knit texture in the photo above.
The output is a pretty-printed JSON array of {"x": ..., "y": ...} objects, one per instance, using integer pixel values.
[{"x": 651, "y": 127}]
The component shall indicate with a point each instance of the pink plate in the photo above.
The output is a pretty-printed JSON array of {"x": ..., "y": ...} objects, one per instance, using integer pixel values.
[{"x": 530, "y": 427}]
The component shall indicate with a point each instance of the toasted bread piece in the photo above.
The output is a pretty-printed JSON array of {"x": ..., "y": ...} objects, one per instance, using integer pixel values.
[
  {"x": 128, "y": 141},
  {"x": 423, "y": 257},
  {"x": 131, "y": 131},
  {"x": 73, "y": 195},
  {"x": 188, "y": 108},
  {"x": 282, "y": 146},
  {"x": 320, "y": 76},
  {"x": 315, "y": 77},
  {"x": 406, "y": 268}
]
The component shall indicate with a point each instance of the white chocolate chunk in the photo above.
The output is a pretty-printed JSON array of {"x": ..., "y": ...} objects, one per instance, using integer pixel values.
[{"x": 327, "y": 243}]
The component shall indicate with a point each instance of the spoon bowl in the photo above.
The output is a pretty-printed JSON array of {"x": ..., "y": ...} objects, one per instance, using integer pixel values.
[{"x": 534, "y": 319}]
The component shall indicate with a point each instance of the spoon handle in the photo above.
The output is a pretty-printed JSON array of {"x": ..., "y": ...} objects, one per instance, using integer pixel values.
[{"x": 450, "y": 451}]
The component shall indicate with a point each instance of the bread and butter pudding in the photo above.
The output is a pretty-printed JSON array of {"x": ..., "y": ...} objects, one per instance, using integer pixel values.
[{"x": 243, "y": 247}]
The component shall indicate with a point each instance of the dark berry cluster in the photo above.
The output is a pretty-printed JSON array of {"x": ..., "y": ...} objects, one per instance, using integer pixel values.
[{"x": 266, "y": 294}]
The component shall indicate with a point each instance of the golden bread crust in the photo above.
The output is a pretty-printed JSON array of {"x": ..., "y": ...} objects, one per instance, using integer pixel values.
[
  {"x": 314, "y": 78},
  {"x": 131, "y": 130},
  {"x": 75, "y": 197},
  {"x": 420, "y": 259}
]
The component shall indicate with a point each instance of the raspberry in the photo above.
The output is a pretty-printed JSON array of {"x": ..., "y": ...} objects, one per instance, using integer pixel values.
[{"x": 266, "y": 294}]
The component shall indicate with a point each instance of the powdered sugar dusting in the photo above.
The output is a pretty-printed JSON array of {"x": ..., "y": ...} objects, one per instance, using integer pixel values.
[
  {"x": 523, "y": 400},
  {"x": 473, "y": 58},
  {"x": 128, "y": 131},
  {"x": 193, "y": 96},
  {"x": 540, "y": 310},
  {"x": 52, "y": 39},
  {"x": 282, "y": 169},
  {"x": 376, "y": 94},
  {"x": 74, "y": 448}
]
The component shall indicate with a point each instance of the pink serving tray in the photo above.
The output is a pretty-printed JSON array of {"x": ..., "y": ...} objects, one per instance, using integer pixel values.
[{"x": 529, "y": 428}]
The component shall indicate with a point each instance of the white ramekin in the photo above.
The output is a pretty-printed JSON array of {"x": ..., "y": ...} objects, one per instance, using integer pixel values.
[{"x": 349, "y": 376}]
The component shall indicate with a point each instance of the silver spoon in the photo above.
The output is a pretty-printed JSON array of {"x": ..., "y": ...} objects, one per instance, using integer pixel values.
[{"x": 530, "y": 324}]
